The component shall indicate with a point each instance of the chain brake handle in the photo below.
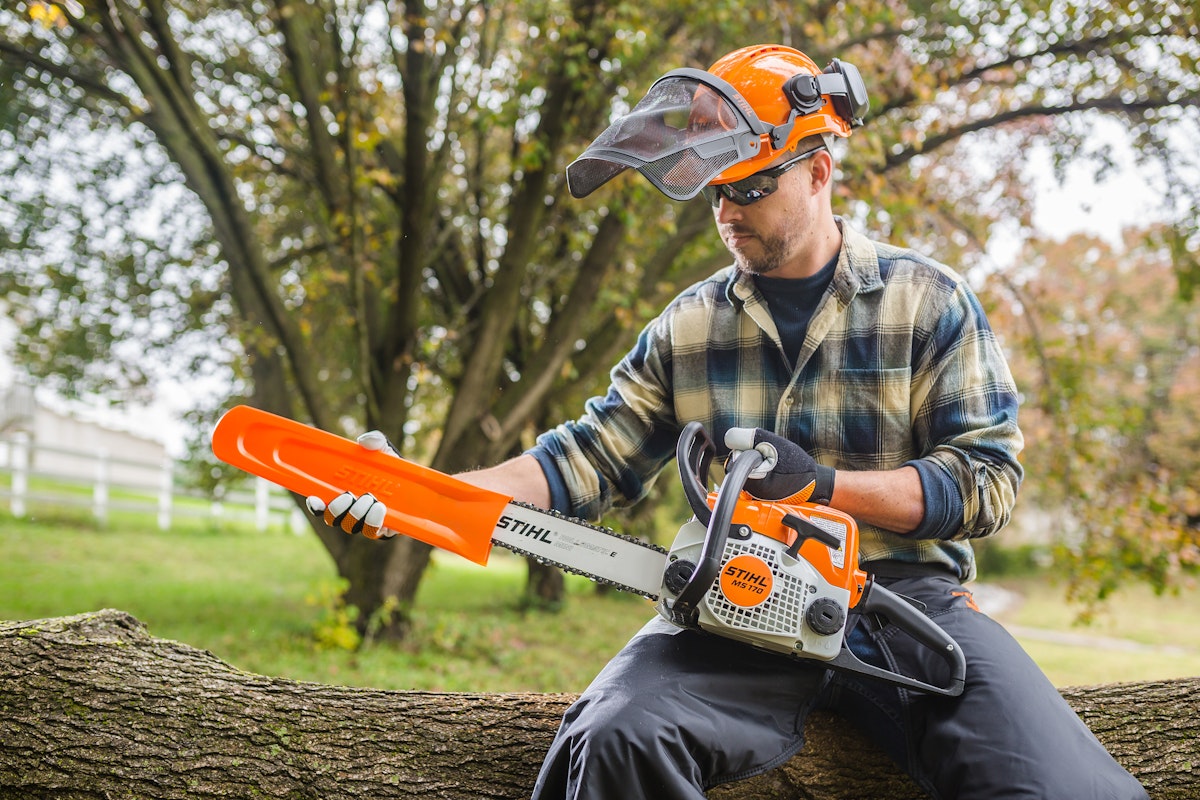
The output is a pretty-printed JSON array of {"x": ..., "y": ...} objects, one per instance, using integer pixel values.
[{"x": 694, "y": 454}]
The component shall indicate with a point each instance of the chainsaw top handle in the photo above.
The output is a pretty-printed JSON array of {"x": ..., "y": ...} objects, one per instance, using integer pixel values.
[{"x": 695, "y": 452}]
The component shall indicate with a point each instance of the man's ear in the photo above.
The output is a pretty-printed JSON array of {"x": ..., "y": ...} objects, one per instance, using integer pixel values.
[{"x": 822, "y": 171}]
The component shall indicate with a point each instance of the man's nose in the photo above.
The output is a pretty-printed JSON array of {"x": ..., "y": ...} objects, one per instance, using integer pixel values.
[{"x": 726, "y": 210}]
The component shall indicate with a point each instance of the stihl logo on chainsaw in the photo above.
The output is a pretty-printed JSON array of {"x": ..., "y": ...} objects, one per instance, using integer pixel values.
[
  {"x": 746, "y": 581},
  {"x": 550, "y": 537},
  {"x": 525, "y": 529}
]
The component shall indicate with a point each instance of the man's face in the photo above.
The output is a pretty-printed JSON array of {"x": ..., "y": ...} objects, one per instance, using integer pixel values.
[{"x": 769, "y": 236}]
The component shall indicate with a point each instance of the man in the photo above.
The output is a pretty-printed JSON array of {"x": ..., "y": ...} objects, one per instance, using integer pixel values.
[{"x": 873, "y": 372}]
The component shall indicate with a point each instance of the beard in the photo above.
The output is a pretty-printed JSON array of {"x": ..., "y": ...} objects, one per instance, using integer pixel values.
[{"x": 762, "y": 254}]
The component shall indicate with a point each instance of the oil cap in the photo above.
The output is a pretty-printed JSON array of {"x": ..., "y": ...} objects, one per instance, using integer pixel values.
[{"x": 825, "y": 616}]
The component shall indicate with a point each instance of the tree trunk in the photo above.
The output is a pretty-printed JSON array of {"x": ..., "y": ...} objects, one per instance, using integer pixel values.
[
  {"x": 383, "y": 579},
  {"x": 92, "y": 707},
  {"x": 546, "y": 586}
]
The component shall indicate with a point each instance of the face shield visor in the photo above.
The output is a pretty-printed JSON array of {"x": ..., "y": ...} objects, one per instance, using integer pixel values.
[
  {"x": 688, "y": 129},
  {"x": 692, "y": 126}
]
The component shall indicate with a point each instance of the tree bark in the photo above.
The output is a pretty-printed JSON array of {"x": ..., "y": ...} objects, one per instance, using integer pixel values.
[{"x": 92, "y": 706}]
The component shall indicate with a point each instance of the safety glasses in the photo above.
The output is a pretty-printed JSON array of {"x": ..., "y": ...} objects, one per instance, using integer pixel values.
[{"x": 750, "y": 190}]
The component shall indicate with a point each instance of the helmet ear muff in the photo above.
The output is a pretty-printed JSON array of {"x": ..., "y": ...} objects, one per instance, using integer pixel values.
[
  {"x": 802, "y": 92},
  {"x": 841, "y": 81},
  {"x": 852, "y": 103}
]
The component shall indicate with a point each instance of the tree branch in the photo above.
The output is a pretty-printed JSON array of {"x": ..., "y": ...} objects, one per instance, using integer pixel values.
[
  {"x": 1110, "y": 104},
  {"x": 182, "y": 130},
  {"x": 519, "y": 405},
  {"x": 304, "y": 68},
  {"x": 27, "y": 58}
]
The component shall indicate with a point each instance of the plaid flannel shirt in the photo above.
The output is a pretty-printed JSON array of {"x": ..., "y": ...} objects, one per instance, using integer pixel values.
[{"x": 899, "y": 366}]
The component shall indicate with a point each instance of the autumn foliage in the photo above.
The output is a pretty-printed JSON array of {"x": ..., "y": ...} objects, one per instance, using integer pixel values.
[{"x": 1107, "y": 354}]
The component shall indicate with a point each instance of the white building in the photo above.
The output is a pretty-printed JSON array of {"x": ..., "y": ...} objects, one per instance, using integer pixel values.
[{"x": 69, "y": 447}]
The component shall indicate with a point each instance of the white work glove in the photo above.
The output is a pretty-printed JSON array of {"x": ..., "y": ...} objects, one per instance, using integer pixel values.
[
  {"x": 788, "y": 473},
  {"x": 352, "y": 513}
]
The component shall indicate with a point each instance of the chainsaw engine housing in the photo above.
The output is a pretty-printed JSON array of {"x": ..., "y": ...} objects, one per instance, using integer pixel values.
[{"x": 764, "y": 595}]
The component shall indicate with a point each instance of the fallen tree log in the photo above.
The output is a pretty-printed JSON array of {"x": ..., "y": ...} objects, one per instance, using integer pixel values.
[{"x": 92, "y": 706}]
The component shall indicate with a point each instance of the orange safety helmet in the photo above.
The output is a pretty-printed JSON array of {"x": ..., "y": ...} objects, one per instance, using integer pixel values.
[
  {"x": 789, "y": 92},
  {"x": 696, "y": 127}
]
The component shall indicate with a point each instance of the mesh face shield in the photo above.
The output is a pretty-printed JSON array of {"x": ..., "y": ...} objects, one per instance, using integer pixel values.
[{"x": 688, "y": 129}]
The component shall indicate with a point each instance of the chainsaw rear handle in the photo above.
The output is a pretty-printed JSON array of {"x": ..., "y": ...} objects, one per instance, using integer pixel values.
[
  {"x": 684, "y": 609},
  {"x": 898, "y": 611}
]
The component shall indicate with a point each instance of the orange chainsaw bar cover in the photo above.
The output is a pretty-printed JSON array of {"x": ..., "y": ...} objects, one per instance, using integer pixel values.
[{"x": 421, "y": 502}]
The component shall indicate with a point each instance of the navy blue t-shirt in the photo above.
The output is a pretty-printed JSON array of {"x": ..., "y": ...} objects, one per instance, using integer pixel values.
[{"x": 793, "y": 301}]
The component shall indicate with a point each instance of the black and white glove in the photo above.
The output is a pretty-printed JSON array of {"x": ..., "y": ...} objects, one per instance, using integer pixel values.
[
  {"x": 353, "y": 513},
  {"x": 788, "y": 474}
]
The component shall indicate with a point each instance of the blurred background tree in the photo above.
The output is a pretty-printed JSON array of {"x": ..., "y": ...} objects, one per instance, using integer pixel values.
[
  {"x": 353, "y": 213},
  {"x": 1109, "y": 356}
]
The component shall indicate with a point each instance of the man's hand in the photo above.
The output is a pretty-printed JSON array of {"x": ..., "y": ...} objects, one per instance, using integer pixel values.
[
  {"x": 351, "y": 513},
  {"x": 788, "y": 474}
]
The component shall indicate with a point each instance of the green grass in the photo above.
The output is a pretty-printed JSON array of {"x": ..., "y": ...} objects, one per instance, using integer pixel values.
[
  {"x": 257, "y": 600},
  {"x": 1137, "y": 636}
]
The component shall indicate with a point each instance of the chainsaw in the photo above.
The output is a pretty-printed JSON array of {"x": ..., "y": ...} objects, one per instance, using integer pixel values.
[{"x": 780, "y": 577}]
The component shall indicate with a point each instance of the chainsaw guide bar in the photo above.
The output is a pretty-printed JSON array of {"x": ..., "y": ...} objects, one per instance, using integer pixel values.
[{"x": 659, "y": 553}]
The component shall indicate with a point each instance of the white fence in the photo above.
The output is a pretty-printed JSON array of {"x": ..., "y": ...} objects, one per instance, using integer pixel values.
[{"x": 48, "y": 474}]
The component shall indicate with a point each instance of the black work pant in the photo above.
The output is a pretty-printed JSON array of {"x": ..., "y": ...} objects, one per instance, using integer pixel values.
[{"x": 677, "y": 712}]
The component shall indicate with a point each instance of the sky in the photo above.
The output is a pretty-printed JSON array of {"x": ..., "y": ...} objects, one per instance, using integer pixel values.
[{"x": 1082, "y": 204}]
